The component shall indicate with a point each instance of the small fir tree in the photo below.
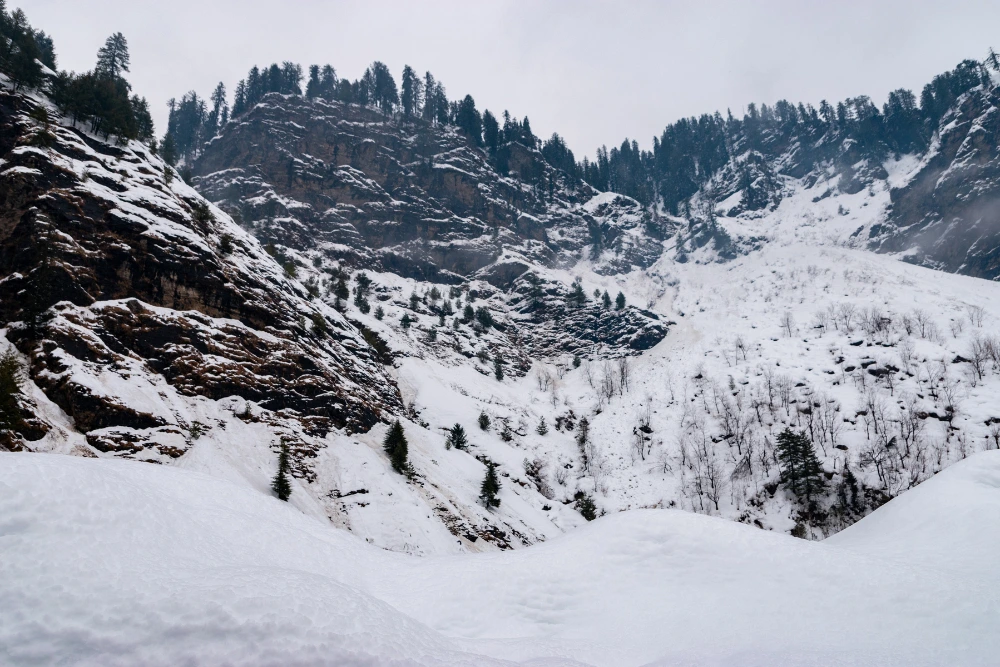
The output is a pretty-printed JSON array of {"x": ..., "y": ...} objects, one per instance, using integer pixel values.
[
  {"x": 484, "y": 421},
  {"x": 491, "y": 487},
  {"x": 456, "y": 438},
  {"x": 586, "y": 507},
  {"x": 11, "y": 379},
  {"x": 506, "y": 434},
  {"x": 397, "y": 448},
  {"x": 281, "y": 485},
  {"x": 619, "y": 301},
  {"x": 498, "y": 367},
  {"x": 379, "y": 313},
  {"x": 801, "y": 471},
  {"x": 606, "y": 300},
  {"x": 405, "y": 322},
  {"x": 542, "y": 427}
]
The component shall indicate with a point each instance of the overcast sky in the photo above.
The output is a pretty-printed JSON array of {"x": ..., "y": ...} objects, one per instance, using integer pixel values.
[{"x": 595, "y": 72}]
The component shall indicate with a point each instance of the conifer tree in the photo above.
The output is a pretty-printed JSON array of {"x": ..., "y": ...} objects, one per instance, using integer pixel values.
[
  {"x": 498, "y": 367},
  {"x": 281, "y": 485},
  {"x": 506, "y": 434},
  {"x": 491, "y": 487},
  {"x": 397, "y": 448},
  {"x": 606, "y": 300},
  {"x": 801, "y": 471},
  {"x": 406, "y": 321},
  {"x": 456, "y": 438},
  {"x": 619, "y": 301},
  {"x": 313, "y": 85},
  {"x": 577, "y": 297},
  {"x": 484, "y": 421},
  {"x": 113, "y": 58},
  {"x": 586, "y": 507},
  {"x": 542, "y": 427},
  {"x": 341, "y": 290},
  {"x": 10, "y": 390}
]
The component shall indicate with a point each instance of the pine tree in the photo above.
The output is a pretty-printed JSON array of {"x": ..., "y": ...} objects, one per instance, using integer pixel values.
[
  {"x": 11, "y": 379},
  {"x": 341, "y": 290},
  {"x": 281, "y": 485},
  {"x": 576, "y": 361},
  {"x": 498, "y": 367},
  {"x": 606, "y": 300},
  {"x": 577, "y": 297},
  {"x": 313, "y": 85},
  {"x": 586, "y": 507},
  {"x": 456, "y": 438},
  {"x": 397, "y": 448},
  {"x": 406, "y": 321},
  {"x": 113, "y": 58},
  {"x": 542, "y": 427},
  {"x": 484, "y": 421},
  {"x": 619, "y": 301},
  {"x": 468, "y": 313},
  {"x": 490, "y": 488},
  {"x": 801, "y": 470},
  {"x": 506, "y": 434}
]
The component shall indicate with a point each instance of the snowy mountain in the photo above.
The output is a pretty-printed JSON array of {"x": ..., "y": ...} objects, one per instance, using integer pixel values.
[
  {"x": 433, "y": 336},
  {"x": 177, "y": 338}
]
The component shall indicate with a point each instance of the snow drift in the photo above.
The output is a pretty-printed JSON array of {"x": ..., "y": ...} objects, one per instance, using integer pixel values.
[{"x": 106, "y": 562}]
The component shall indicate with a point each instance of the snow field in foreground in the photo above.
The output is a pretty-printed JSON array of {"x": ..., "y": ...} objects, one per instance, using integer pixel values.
[{"x": 106, "y": 562}]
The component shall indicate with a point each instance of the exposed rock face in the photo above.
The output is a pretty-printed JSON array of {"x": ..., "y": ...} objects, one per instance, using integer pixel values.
[
  {"x": 948, "y": 215},
  {"x": 413, "y": 198},
  {"x": 155, "y": 284}
]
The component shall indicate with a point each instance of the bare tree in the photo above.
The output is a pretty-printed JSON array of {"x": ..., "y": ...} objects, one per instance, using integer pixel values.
[
  {"x": 624, "y": 375},
  {"x": 975, "y": 314},
  {"x": 788, "y": 323}
]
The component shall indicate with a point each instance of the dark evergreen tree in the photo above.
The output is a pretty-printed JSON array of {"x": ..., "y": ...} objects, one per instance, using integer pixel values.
[
  {"x": 113, "y": 57},
  {"x": 619, "y": 301},
  {"x": 469, "y": 120},
  {"x": 468, "y": 314},
  {"x": 606, "y": 300},
  {"x": 281, "y": 485},
  {"x": 412, "y": 88},
  {"x": 801, "y": 471},
  {"x": 168, "y": 150},
  {"x": 586, "y": 507},
  {"x": 490, "y": 488},
  {"x": 577, "y": 297},
  {"x": 397, "y": 448},
  {"x": 313, "y": 86},
  {"x": 491, "y": 132},
  {"x": 11, "y": 380},
  {"x": 457, "y": 438},
  {"x": 542, "y": 427},
  {"x": 406, "y": 321},
  {"x": 498, "y": 367},
  {"x": 484, "y": 421}
]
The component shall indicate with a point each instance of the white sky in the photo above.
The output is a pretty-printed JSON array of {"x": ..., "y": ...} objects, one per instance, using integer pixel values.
[{"x": 595, "y": 72}]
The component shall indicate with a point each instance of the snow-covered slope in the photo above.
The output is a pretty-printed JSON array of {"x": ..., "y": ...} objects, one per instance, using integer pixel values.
[{"x": 112, "y": 563}]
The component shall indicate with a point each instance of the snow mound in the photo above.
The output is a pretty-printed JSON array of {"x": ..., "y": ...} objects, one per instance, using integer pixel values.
[{"x": 107, "y": 562}]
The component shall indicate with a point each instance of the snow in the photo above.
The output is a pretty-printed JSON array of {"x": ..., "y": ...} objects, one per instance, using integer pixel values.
[{"x": 107, "y": 562}]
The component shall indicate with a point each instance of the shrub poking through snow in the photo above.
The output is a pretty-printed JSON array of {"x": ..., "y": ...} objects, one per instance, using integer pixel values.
[
  {"x": 484, "y": 421},
  {"x": 490, "y": 488},
  {"x": 281, "y": 485}
]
